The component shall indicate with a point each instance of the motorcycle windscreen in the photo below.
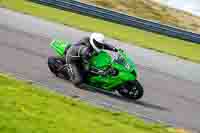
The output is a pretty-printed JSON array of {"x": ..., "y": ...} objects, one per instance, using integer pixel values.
[
  {"x": 101, "y": 61},
  {"x": 59, "y": 46}
]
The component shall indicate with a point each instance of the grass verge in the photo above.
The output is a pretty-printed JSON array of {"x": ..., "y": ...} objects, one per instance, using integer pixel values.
[
  {"x": 153, "y": 10},
  {"x": 172, "y": 46},
  {"x": 26, "y": 108}
]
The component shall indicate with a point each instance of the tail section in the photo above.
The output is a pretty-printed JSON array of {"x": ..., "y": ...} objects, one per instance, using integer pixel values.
[{"x": 59, "y": 46}]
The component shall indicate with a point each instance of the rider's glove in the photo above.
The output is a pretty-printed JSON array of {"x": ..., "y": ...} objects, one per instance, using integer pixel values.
[{"x": 115, "y": 49}]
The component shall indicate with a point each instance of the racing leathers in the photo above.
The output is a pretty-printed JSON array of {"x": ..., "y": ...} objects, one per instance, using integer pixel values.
[{"x": 78, "y": 54}]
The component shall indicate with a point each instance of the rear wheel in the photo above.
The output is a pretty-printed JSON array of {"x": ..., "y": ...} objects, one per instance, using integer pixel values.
[
  {"x": 55, "y": 64},
  {"x": 132, "y": 90}
]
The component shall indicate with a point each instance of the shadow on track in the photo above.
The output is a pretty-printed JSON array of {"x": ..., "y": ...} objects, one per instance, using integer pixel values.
[{"x": 119, "y": 97}]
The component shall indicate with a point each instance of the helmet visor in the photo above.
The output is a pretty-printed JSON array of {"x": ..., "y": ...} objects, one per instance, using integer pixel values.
[{"x": 98, "y": 44}]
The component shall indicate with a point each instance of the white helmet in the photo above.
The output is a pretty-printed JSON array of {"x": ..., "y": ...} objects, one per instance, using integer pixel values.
[{"x": 97, "y": 41}]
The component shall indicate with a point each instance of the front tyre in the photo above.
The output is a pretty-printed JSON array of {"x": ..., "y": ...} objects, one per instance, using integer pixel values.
[{"x": 132, "y": 90}]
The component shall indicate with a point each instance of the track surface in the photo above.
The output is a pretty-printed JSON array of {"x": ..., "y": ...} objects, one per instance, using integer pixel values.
[{"x": 167, "y": 98}]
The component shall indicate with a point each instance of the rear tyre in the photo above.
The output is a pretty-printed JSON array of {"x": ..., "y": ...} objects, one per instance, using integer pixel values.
[
  {"x": 55, "y": 64},
  {"x": 132, "y": 90}
]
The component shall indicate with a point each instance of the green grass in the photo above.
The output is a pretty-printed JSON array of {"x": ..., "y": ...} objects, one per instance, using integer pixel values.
[
  {"x": 180, "y": 48},
  {"x": 26, "y": 108}
]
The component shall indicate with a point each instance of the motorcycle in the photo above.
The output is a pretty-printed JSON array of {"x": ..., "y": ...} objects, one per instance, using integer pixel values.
[{"x": 121, "y": 72}]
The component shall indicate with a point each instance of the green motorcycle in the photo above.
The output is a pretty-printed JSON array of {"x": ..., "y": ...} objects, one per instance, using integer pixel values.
[{"x": 121, "y": 72}]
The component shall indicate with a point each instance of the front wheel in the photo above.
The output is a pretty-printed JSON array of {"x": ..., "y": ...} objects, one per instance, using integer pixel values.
[{"x": 132, "y": 90}]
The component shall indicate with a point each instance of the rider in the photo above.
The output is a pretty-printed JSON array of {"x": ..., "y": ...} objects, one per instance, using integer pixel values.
[{"x": 81, "y": 52}]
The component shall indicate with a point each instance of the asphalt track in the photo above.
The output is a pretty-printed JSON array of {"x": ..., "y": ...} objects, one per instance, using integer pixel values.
[{"x": 167, "y": 98}]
